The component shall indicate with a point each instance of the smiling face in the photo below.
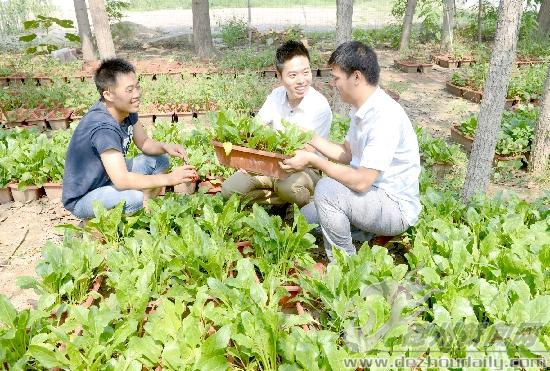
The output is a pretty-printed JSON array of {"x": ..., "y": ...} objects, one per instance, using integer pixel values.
[
  {"x": 296, "y": 78},
  {"x": 124, "y": 97}
]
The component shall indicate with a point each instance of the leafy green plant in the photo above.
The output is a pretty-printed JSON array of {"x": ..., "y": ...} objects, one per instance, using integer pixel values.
[
  {"x": 234, "y": 31},
  {"x": 66, "y": 271},
  {"x": 436, "y": 150},
  {"x": 339, "y": 128},
  {"x": 249, "y": 132},
  {"x": 517, "y": 130},
  {"x": 45, "y": 23},
  {"x": 279, "y": 247},
  {"x": 385, "y": 36},
  {"x": 115, "y": 8}
]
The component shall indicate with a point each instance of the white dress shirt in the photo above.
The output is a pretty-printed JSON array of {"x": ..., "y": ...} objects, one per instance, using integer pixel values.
[{"x": 382, "y": 138}]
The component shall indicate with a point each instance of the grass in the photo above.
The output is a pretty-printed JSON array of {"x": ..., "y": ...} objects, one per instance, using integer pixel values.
[{"x": 362, "y": 6}]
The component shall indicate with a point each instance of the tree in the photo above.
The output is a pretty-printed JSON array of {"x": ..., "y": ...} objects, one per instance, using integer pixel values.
[
  {"x": 447, "y": 27},
  {"x": 479, "y": 20},
  {"x": 202, "y": 35},
  {"x": 541, "y": 143},
  {"x": 102, "y": 30},
  {"x": 344, "y": 15},
  {"x": 407, "y": 26},
  {"x": 544, "y": 18},
  {"x": 494, "y": 95},
  {"x": 84, "y": 29}
]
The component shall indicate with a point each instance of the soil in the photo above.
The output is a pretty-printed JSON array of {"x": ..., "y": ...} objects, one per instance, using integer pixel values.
[{"x": 25, "y": 228}]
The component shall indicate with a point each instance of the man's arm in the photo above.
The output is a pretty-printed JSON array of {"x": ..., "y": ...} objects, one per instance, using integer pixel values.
[
  {"x": 358, "y": 180},
  {"x": 151, "y": 147},
  {"x": 333, "y": 151},
  {"x": 122, "y": 179}
]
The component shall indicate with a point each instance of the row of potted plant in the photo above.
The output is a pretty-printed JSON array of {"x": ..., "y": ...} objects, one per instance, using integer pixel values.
[
  {"x": 204, "y": 93},
  {"x": 526, "y": 84},
  {"x": 31, "y": 163},
  {"x": 515, "y": 136}
]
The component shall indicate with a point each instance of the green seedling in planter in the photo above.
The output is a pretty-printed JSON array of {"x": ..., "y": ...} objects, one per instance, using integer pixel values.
[
  {"x": 249, "y": 132},
  {"x": 516, "y": 134}
]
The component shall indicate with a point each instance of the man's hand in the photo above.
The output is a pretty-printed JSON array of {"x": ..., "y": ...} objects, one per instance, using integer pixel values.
[
  {"x": 183, "y": 174},
  {"x": 299, "y": 162},
  {"x": 308, "y": 147},
  {"x": 175, "y": 150}
]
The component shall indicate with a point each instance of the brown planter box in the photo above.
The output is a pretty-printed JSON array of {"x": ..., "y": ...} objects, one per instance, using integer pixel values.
[
  {"x": 185, "y": 188},
  {"x": 163, "y": 115},
  {"x": 467, "y": 143},
  {"x": 464, "y": 141},
  {"x": 146, "y": 118},
  {"x": 58, "y": 124},
  {"x": 472, "y": 95},
  {"x": 42, "y": 80},
  {"x": 30, "y": 193},
  {"x": 5, "y": 195},
  {"x": 251, "y": 160},
  {"x": 445, "y": 63},
  {"x": 16, "y": 80},
  {"x": 4, "y": 81},
  {"x": 268, "y": 73},
  {"x": 53, "y": 190},
  {"x": 409, "y": 67},
  {"x": 454, "y": 89}
]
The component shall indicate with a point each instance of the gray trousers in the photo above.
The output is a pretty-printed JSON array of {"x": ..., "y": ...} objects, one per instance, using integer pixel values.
[{"x": 336, "y": 209}]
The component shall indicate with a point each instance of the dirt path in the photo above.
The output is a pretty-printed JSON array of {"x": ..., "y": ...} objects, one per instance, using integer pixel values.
[{"x": 25, "y": 228}]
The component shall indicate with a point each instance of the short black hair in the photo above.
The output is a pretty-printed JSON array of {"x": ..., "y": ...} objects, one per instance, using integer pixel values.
[
  {"x": 106, "y": 75},
  {"x": 355, "y": 56},
  {"x": 289, "y": 50}
]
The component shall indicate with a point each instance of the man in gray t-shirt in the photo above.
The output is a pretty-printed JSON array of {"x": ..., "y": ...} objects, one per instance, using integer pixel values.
[{"x": 95, "y": 164}]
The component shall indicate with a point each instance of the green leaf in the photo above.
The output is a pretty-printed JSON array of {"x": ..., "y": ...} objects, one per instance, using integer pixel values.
[
  {"x": 47, "y": 357},
  {"x": 27, "y": 38},
  {"x": 65, "y": 23},
  {"x": 7, "y": 311},
  {"x": 28, "y": 25},
  {"x": 430, "y": 275},
  {"x": 72, "y": 37}
]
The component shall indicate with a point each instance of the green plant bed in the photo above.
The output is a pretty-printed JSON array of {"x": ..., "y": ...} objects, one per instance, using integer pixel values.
[
  {"x": 515, "y": 137},
  {"x": 526, "y": 83}
]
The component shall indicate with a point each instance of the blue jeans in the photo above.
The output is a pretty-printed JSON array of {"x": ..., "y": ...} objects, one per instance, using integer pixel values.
[{"x": 109, "y": 196}]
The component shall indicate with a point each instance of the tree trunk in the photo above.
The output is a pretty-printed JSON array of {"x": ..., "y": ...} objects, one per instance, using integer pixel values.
[
  {"x": 407, "y": 26},
  {"x": 202, "y": 34},
  {"x": 344, "y": 16},
  {"x": 102, "y": 30},
  {"x": 448, "y": 25},
  {"x": 84, "y": 29},
  {"x": 494, "y": 95},
  {"x": 479, "y": 20},
  {"x": 540, "y": 149},
  {"x": 544, "y": 18}
]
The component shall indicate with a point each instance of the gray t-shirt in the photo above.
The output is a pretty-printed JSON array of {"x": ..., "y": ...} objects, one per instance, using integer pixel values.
[{"x": 97, "y": 132}]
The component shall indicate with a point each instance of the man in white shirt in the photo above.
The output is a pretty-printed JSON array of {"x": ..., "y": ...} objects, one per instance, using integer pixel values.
[
  {"x": 379, "y": 191},
  {"x": 297, "y": 102}
]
